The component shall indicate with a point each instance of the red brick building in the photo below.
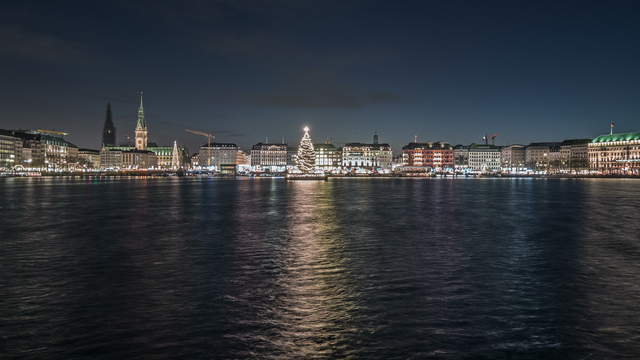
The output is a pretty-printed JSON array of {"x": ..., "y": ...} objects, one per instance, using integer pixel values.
[{"x": 434, "y": 155}]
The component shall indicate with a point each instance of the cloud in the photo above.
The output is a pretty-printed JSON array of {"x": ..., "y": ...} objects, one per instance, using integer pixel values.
[
  {"x": 25, "y": 44},
  {"x": 325, "y": 99}
]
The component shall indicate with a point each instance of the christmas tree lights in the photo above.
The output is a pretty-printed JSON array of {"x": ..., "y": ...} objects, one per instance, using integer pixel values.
[{"x": 306, "y": 155}]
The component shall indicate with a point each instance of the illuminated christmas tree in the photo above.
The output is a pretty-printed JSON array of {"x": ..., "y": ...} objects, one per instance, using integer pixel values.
[
  {"x": 175, "y": 156},
  {"x": 306, "y": 156}
]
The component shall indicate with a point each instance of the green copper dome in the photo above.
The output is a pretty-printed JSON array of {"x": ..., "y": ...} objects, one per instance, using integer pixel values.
[{"x": 617, "y": 137}]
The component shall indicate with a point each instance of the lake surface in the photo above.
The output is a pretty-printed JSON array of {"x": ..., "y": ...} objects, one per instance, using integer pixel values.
[{"x": 120, "y": 268}]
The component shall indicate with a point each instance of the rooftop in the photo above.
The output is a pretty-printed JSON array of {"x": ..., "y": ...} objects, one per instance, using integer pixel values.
[
  {"x": 427, "y": 145},
  {"x": 219, "y": 145},
  {"x": 373, "y": 146},
  {"x": 263, "y": 146},
  {"x": 617, "y": 137},
  {"x": 575, "y": 142}
]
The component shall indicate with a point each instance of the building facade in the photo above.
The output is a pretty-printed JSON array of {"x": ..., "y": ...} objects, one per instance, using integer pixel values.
[
  {"x": 217, "y": 154},
  {"x": 513, "y": 156},
  {"x": 292, "y": 156},
  {"x": 328, "y": 156},
  {"x": 574, "y": 154},
  {"x": 242, "y": 158},
  {"x": 615, "y": 154},
  {"x": 89, "y": 158},
  {"x": 434, "y": 155},
  {"x": 371, "y": 156},
  {"x": 543, "y": 155},
  {"x": 45, "y": 149},
  {"x": 139, "y": 159},
  {"x": 111, "y": 158},
  {"x": 10, "y": 150},
  {"x": 484, "y": 158},
  {"x": 269, "y": 157},
  {"x": 461, "y": 156}
]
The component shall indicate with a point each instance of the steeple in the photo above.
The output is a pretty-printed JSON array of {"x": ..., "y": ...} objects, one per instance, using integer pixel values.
[
  {"x": 142, "y": 134},
  {"x": 109, "y": 130},
  {"x": 141, "y": 124}
]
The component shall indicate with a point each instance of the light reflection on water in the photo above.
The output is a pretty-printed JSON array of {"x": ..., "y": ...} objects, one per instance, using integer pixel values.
[{"x": 355, "y": 268}]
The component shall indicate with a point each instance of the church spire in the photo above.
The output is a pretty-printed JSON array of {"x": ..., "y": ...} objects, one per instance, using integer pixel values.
[
  {"x": 142, "y": 134},
  {"x": 141, "y": 124},
  {"x": 109, "y": 130}
]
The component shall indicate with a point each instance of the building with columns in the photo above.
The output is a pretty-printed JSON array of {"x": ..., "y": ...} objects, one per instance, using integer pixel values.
[{"x": 615, "y": 154}]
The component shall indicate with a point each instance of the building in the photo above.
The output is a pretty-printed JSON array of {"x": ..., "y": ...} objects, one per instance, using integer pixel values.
[
  {"x": 292, "y": 156},
  {"x": 484, "y": 157},
  {"x": 139, "y": 159},
  {"x": 194, "y": 160},
  {"x": 371, "y": 156},
  {"x": 217, "y": 154},
  {"x": 574, "y": 154},
  {"x": 269, "y": 157},
  {"x": 513, "y": 156},
  {"x": 328, "y": 156},
  {"x": 164, "y": 155},
  {"x": 461, "y": 156},
  {"x": 434, "y": 155},
  {"x": 10, "y": 150},
  {"x": 142, "y": 133},
  {"x": 89, "y": 158},
  {"x": 127, "y": 158},
  {"x": 44, "y": 149},
  {"x": 109, "y": 130},
  {"x": 111, "y": 158},
  {"x": 242, "y": 158},
  {"x": 615, "y": 154},
  {"x": 543, "y": 155}
]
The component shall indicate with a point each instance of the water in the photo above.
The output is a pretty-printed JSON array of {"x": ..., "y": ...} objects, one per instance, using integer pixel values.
[{"x": 350, "y": 268}]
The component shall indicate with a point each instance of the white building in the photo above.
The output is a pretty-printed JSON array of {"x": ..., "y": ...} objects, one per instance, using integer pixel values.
[
  {"x": 328, "y": 156},
  {"x": 269, "y": 157},
  {"x": 359, "y": 155},
  {"x": 484, "y": 158}
]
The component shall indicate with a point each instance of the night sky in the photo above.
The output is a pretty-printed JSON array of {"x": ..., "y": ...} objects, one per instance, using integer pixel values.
[{"x": 246, "y": 70}]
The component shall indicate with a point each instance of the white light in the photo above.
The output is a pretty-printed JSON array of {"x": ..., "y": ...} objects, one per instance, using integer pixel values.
[{"x": 306, "y": 129}]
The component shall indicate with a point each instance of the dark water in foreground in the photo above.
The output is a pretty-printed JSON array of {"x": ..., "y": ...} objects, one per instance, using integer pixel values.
[{"x": 349, "y": 268}]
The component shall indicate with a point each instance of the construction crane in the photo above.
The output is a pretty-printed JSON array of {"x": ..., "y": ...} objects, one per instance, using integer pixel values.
[
  {"x": 210, "y": 138},
  {"x": 492, "y": 137}
]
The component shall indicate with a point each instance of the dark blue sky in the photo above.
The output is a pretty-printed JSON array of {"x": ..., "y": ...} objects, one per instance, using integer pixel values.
[{"x": 441, "y": 70}]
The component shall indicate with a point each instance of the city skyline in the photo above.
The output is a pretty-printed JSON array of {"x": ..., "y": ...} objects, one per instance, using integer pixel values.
[
  {"x": 450, "y": 71},
  {"x": 124, "y": 137}
]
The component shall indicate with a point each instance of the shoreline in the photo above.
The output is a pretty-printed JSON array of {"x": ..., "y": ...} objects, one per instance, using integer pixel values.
[{"x": 162, "y": 173}]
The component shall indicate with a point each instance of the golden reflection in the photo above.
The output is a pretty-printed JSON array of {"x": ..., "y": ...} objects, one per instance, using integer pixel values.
[{"x": 318, "y": 303}]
